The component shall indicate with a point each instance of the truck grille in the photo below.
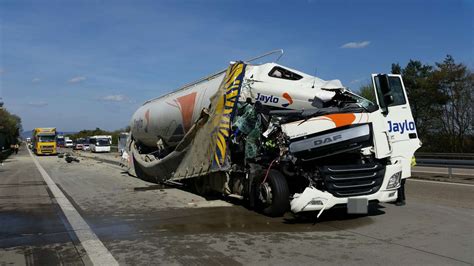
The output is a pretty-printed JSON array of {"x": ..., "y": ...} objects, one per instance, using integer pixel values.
[
  {"x": 353, "y": 180},
  {"x": 47, "y": 149}
]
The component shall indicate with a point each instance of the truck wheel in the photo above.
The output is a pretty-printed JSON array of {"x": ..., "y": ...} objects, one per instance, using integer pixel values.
[{"x": 273, "y": 195}]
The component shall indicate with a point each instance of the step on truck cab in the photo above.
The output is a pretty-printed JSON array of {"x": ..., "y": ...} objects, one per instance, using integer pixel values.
[{"x": 278, "y": 138}]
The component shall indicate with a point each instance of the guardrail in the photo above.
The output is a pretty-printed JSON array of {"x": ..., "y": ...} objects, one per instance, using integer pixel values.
[
  {"x": 447, "y": 160},
  {"x": 439, "y": 155}
]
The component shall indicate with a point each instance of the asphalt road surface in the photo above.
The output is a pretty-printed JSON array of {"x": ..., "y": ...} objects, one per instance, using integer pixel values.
[{"x": 93, "y": 213}]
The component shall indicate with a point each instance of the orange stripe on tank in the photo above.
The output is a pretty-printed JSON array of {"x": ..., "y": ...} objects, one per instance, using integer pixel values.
[{"x": 187, "y": 108}]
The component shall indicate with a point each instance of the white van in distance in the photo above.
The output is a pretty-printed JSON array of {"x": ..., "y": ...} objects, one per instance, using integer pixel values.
[
  {"x": 68, "y": 143},
  {"x": 99, "y": 143}
]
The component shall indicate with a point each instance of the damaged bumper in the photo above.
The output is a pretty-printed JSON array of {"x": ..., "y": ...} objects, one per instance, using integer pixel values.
[{"x": 313, "y": 199}]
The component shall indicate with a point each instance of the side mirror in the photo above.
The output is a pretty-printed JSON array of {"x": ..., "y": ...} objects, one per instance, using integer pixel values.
[
  {"x": 384, "y": 92},
  {"x": 388, "y": 99}
]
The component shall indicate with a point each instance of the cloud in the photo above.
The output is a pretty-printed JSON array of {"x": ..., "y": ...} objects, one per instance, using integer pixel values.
[
  {"x": 114, "y": 98},
  {"x": 38, "y": 104},
  {"x": 77, "y": 79},
  {"x": 36, "y": 80},
  {"x": 2, "y": 71},
  {"x": 355, "y": 45}
]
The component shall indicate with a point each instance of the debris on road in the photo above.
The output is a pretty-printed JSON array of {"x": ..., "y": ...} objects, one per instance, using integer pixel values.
[{"x": 69, "y": 158}]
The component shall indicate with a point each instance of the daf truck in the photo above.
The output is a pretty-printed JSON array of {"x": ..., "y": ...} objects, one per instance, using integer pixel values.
[{"x": 278, "y": 138}]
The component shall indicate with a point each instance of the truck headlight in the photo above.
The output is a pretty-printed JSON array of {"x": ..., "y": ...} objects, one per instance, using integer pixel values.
[{"x": 394, "y": 180}]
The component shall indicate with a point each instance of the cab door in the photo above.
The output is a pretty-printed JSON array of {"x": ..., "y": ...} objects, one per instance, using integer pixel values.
[{"x": 400, "y": 126}]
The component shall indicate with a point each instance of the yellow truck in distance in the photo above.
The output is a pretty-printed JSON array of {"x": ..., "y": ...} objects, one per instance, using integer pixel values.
[{"x": 44, "y": 141}]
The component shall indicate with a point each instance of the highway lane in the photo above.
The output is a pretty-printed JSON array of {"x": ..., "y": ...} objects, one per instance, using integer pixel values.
[
  {"x": 143, "y": 223},
  {"x": 32, "y": 230}
]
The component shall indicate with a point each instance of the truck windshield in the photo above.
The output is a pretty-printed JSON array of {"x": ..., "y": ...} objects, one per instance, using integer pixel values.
[
  {"x": 47, "y": 138},
  {"x": 366, "y": 103},
  {"x": 363, "y": 102},
  {"x": 103, "y": 142}
]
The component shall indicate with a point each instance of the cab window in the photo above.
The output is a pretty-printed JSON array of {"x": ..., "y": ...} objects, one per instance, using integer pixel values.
[
  {"x": 397, "y": 91},
  {"x": 393, "y": 88},
  {"x": 281, "y": 73}
]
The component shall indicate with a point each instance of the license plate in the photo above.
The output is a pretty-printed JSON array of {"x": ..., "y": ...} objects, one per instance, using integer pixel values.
[{"x": 357, "y": 206}]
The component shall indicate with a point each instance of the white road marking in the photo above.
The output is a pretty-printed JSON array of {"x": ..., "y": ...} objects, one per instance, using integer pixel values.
[
  {"x": 97, "y": 252},
  {"x": 440, "y": 182}
]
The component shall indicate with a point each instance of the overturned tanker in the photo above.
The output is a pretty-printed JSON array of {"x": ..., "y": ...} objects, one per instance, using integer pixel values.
[{"x": 278, "y": 138}]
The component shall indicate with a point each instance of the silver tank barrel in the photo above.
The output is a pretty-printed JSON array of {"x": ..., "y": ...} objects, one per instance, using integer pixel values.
[{"x": 170, "y": 116}]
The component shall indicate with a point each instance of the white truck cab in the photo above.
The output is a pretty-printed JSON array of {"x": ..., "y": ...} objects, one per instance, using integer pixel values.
[{"x": 394, "y": 139}]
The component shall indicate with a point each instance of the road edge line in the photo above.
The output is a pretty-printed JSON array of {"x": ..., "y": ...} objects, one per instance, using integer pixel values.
[{"x": 95, "y": 249}]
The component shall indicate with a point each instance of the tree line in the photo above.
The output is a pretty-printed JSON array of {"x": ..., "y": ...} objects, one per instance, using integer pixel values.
[
  {"x": 441, "y": 100},
  {"x": 97, "y": 131},
  {"x": 10, "y": 128}
]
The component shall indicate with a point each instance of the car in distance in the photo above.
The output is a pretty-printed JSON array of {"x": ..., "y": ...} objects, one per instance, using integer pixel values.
[
  {"x": 86, "y": 146},
  {"x": 78, "y": 144}
]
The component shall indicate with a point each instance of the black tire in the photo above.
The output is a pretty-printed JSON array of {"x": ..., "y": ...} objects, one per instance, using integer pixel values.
[{"x": 280, "y": 194}]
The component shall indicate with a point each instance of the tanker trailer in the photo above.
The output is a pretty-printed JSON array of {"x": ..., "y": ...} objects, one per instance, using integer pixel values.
[{"x": 277, "y": 138}]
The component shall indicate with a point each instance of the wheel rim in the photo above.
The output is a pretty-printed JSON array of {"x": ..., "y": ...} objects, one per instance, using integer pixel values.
[{"x": 265, "y": 194}]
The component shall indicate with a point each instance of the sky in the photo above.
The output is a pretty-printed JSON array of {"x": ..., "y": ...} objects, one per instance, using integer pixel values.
[{"x": 85, "y": 64}]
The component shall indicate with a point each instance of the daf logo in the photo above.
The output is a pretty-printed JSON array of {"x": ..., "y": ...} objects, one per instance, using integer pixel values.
[{"x": 327, "y": 140}]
